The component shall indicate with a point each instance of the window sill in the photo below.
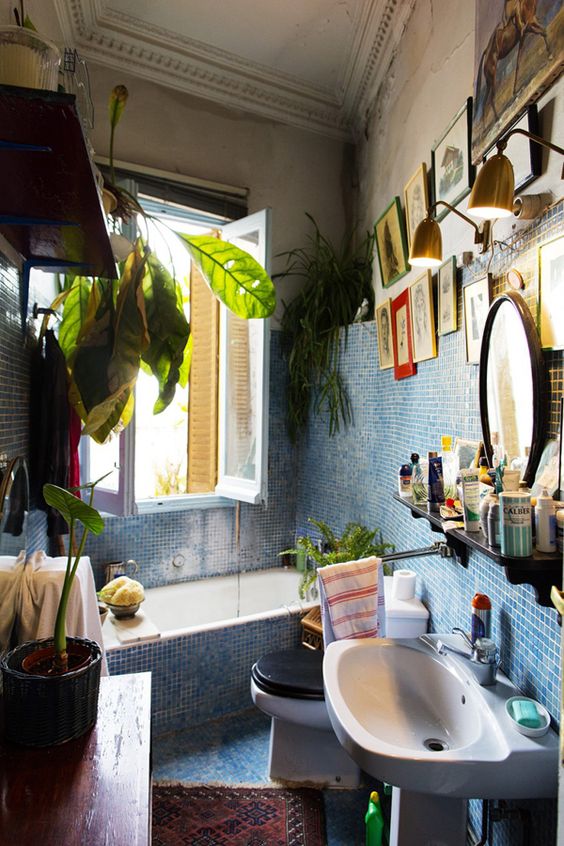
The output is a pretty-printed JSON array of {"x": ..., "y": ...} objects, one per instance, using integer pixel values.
[{"x": 188, "y": 502}]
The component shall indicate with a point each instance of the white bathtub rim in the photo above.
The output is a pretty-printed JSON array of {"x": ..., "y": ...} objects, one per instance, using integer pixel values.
[{"x": 286, "y": 610}]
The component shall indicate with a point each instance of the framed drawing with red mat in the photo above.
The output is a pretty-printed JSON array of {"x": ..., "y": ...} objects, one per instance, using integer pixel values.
[
  {"x": 401, "y": 336},
  {"x": 237, "y": 816}
]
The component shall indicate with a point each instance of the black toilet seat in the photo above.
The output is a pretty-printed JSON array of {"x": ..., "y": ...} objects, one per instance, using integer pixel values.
[{"x": 295, "y": 673}]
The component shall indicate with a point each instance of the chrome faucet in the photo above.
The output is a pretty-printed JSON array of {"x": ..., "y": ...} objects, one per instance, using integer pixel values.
[{"x": 483, "y": 658}]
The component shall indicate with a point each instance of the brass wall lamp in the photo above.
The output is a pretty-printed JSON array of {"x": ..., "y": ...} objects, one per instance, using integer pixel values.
[
  {"x": 427, "y": 244},
  {"x": 492, "y": 194}
]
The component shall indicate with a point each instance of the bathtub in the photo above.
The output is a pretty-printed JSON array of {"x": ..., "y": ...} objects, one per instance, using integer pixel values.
[{"x": 207, "y": 635}]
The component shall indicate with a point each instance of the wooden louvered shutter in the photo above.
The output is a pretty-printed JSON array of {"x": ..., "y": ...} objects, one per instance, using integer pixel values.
[{"x": 202, "y": 402}]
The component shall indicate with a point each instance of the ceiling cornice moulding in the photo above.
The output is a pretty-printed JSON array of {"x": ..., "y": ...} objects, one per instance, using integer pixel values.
[{"x": 126, "y": 43}]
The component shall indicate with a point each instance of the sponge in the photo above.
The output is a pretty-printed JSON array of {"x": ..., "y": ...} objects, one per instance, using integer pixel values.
[{"x": 525, "y": 713}]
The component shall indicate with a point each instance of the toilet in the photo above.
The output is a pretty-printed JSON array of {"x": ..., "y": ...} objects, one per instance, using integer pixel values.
[{"x": 288, "y": 686}]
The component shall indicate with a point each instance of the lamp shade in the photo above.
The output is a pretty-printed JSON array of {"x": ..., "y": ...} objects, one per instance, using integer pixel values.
[
  {"x": 427, "y": 245},
  {"x": 492, "y": 194}
]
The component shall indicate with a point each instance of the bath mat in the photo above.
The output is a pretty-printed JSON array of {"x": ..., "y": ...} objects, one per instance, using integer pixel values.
[{"x": 236, "y": 816}]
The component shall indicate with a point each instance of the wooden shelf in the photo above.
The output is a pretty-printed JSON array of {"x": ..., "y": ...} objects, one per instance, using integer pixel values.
[
  {"x": 50, "y": 210},
  {"x": 541, "y": 570}
]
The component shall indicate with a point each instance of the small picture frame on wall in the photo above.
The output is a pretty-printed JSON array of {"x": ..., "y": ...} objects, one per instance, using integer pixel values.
[
  {"x": 551, "y": 294},
  {"x": 423, "y": 318},
  {"x": 448, "y": 317},
  {"x": 391, "y": 244},
  {"x": 416, "y": 197},
  {"x": 453, "y": 171},
  {"x": 476, "y": 305},
  {"x": 402, "y": 338},
  {"x": 384, "y": 330},
  {"x": 525, "y": 156}
]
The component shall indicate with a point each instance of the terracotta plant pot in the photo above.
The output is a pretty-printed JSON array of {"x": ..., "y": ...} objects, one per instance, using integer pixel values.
[{"x": 46, "y": 710}]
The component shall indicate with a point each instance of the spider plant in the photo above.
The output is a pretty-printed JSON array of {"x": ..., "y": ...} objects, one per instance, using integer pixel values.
[{"x": 338, "y": 281}]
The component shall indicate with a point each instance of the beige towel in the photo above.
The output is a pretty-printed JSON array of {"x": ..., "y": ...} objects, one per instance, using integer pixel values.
[{"x": 11, "y": 570}]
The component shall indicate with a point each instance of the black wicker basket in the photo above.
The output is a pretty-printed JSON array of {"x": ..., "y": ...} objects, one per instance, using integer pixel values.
[{"x": 48, "y": 710}]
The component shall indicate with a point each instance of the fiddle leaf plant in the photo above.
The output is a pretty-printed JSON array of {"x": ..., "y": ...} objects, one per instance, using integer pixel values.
[{"x": 74, "y": 511}]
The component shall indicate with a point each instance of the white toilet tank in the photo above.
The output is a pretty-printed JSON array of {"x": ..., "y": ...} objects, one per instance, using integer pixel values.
[{"x": 404, "y": 617}]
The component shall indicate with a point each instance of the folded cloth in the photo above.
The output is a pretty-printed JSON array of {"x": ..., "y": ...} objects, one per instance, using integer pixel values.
[
  {"x": 352, "y": 599},
  {"x": 41, "y": 590},
  {"x": 11, "y": 570}
]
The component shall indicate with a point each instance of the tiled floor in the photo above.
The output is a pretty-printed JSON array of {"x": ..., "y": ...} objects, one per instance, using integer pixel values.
[{"x": 234, "y": 750}]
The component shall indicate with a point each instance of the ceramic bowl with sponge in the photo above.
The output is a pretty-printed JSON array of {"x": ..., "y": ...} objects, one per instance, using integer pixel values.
[
  {"x": 527, "y": 716},
  {"x": 123, "y": 596}
]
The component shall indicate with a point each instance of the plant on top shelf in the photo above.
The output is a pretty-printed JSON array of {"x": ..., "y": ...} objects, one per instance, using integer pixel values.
[
  {"x": 110, "y": 329},
  {"x": 338, "y": 283},
  {"x": 356, "y": 542}
]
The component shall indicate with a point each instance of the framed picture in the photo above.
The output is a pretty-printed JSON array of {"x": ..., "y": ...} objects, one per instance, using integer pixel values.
[
  {"x": 391, "y": 244},
  {"x": 551, "y": 294},
  {"x": 476, "y": 305},
  {"x": 416, "y": 198},
  {"x": 384, "y": 330},
  {"x": 518, "y": 52},
  {"x": 448, "y": 317},
  {"x": 468, "y": 452},
  {"x": 401, "y": 335},
  {"x": 525, "y": 156},
  {"x": 453, "y": 172},
  {"x": 423, "y": 318}
]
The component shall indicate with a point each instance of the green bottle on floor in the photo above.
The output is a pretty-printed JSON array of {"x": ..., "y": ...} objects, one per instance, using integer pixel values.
[{"x": 374, "y": 820}]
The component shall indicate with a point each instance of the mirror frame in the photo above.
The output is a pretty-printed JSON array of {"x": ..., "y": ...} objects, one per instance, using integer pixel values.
[{"x": 538, "y": 374}]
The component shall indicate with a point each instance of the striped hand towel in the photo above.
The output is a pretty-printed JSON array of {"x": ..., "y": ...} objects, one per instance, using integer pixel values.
[{"x": 352, "y": 599}]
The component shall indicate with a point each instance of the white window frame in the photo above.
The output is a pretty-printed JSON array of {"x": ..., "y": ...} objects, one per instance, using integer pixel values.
[{"x": 229, "y": 489}]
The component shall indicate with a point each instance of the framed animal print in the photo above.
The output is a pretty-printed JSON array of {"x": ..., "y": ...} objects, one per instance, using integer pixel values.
[
  {"x": 453, "y": 172},
  {"x": 391, "y": 244},
  {"x": 524, "y": 154},
  {"x": 518, "y": 53}
]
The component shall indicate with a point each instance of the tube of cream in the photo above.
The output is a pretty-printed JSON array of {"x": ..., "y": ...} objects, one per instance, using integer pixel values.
[{"x": 471, "y": 498}]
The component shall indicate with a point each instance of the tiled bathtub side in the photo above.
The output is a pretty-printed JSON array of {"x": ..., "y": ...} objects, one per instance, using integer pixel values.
[{"x": 203, "y": 675}]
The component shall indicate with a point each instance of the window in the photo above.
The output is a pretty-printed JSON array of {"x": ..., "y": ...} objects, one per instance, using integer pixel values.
[{"x": 209, "y": 447}]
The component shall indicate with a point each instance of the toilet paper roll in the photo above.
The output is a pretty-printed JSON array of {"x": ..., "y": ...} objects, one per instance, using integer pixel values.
[{"x": 403, "y": 585}]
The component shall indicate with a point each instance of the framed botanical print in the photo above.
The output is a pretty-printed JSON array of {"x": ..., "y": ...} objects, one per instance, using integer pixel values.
[
  {"x": 551, "y": 294},
  {"x": 391, "y": 244},
  {"x": 476, "y": 305},
  {"x": 416, "y": 197},
  {"x": 453, "y": 172},
  {"x": 518, "y": 53},
  {"x": 448, "y": 318},
  {"x": 422, "y": 317},
  {"x": 524, "y": 155},
  {"x": 384, "y": 330},
  {"x": 402, "y": 338}
]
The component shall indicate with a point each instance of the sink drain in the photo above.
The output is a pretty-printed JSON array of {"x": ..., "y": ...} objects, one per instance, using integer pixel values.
[{"x": 435, "y": 745}]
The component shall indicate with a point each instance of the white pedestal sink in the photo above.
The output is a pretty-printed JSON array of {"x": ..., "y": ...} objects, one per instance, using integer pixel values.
[{"x": 421, "y": 722}]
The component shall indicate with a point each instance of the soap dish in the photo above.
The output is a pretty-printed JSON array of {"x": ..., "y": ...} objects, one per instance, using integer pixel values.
[{"x": 543, "y": 714}]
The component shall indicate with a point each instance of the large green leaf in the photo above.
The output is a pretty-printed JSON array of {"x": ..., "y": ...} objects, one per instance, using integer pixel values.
[
  {"x": 168, "y": 330},
  {"x": 74, "y": 314},
  {"x": 234, "y": 276},
  {"x": 72, "y": 508}
]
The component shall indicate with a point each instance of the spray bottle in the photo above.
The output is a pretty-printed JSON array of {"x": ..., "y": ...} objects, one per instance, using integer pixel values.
[{"x": 374, "y": 820}]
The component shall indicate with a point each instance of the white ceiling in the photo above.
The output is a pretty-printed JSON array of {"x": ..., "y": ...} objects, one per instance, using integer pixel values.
[{"x": 310, "y": 63}]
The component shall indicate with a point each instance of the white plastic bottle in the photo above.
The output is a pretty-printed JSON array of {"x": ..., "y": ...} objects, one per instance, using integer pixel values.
[{"x": 545, "y": 521}]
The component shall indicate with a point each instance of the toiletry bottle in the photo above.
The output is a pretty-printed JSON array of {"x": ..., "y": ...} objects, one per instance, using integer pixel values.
[
  {"x": 493, "y": 534},
  {"x": 560, "y": 530},
  {"x": 450, "y": 467},
  {"x": 404, "y": 481},
  {"x": 481, "y": 614},
  {"x": 419, "y": 480},
  {"x": 515, "y": 524},
  {"x": 435, "y": 489},
  {"x": 374, "y": 821},
  {"x": 545, "y": 523}
]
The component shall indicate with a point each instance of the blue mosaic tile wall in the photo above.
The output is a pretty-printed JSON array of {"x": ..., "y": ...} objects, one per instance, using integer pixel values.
[
  {"x": 206, "y": 539},
  {"x": 201, "y": 676},
  {"x": 353, "y": 475}
]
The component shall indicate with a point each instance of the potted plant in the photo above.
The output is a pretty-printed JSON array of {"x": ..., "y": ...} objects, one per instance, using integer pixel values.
[
  {"x": 338, "y": 287},
  {"x": 356, "y": 542},
  {"x": 26, "y": 58},
  {"x": 51, "y": 685}
]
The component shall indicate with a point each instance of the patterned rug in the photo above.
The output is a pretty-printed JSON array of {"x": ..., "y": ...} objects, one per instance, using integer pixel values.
[{"x": 236, "y": 816}]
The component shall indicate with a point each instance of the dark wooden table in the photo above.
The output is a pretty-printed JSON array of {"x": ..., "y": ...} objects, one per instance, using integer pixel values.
[{"x": 94, "y": 791}]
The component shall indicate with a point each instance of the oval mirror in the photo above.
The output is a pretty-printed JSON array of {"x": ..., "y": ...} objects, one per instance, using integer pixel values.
[
  {"x": 512, "y": 385},
  {"x": 14, "y": 506}
]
